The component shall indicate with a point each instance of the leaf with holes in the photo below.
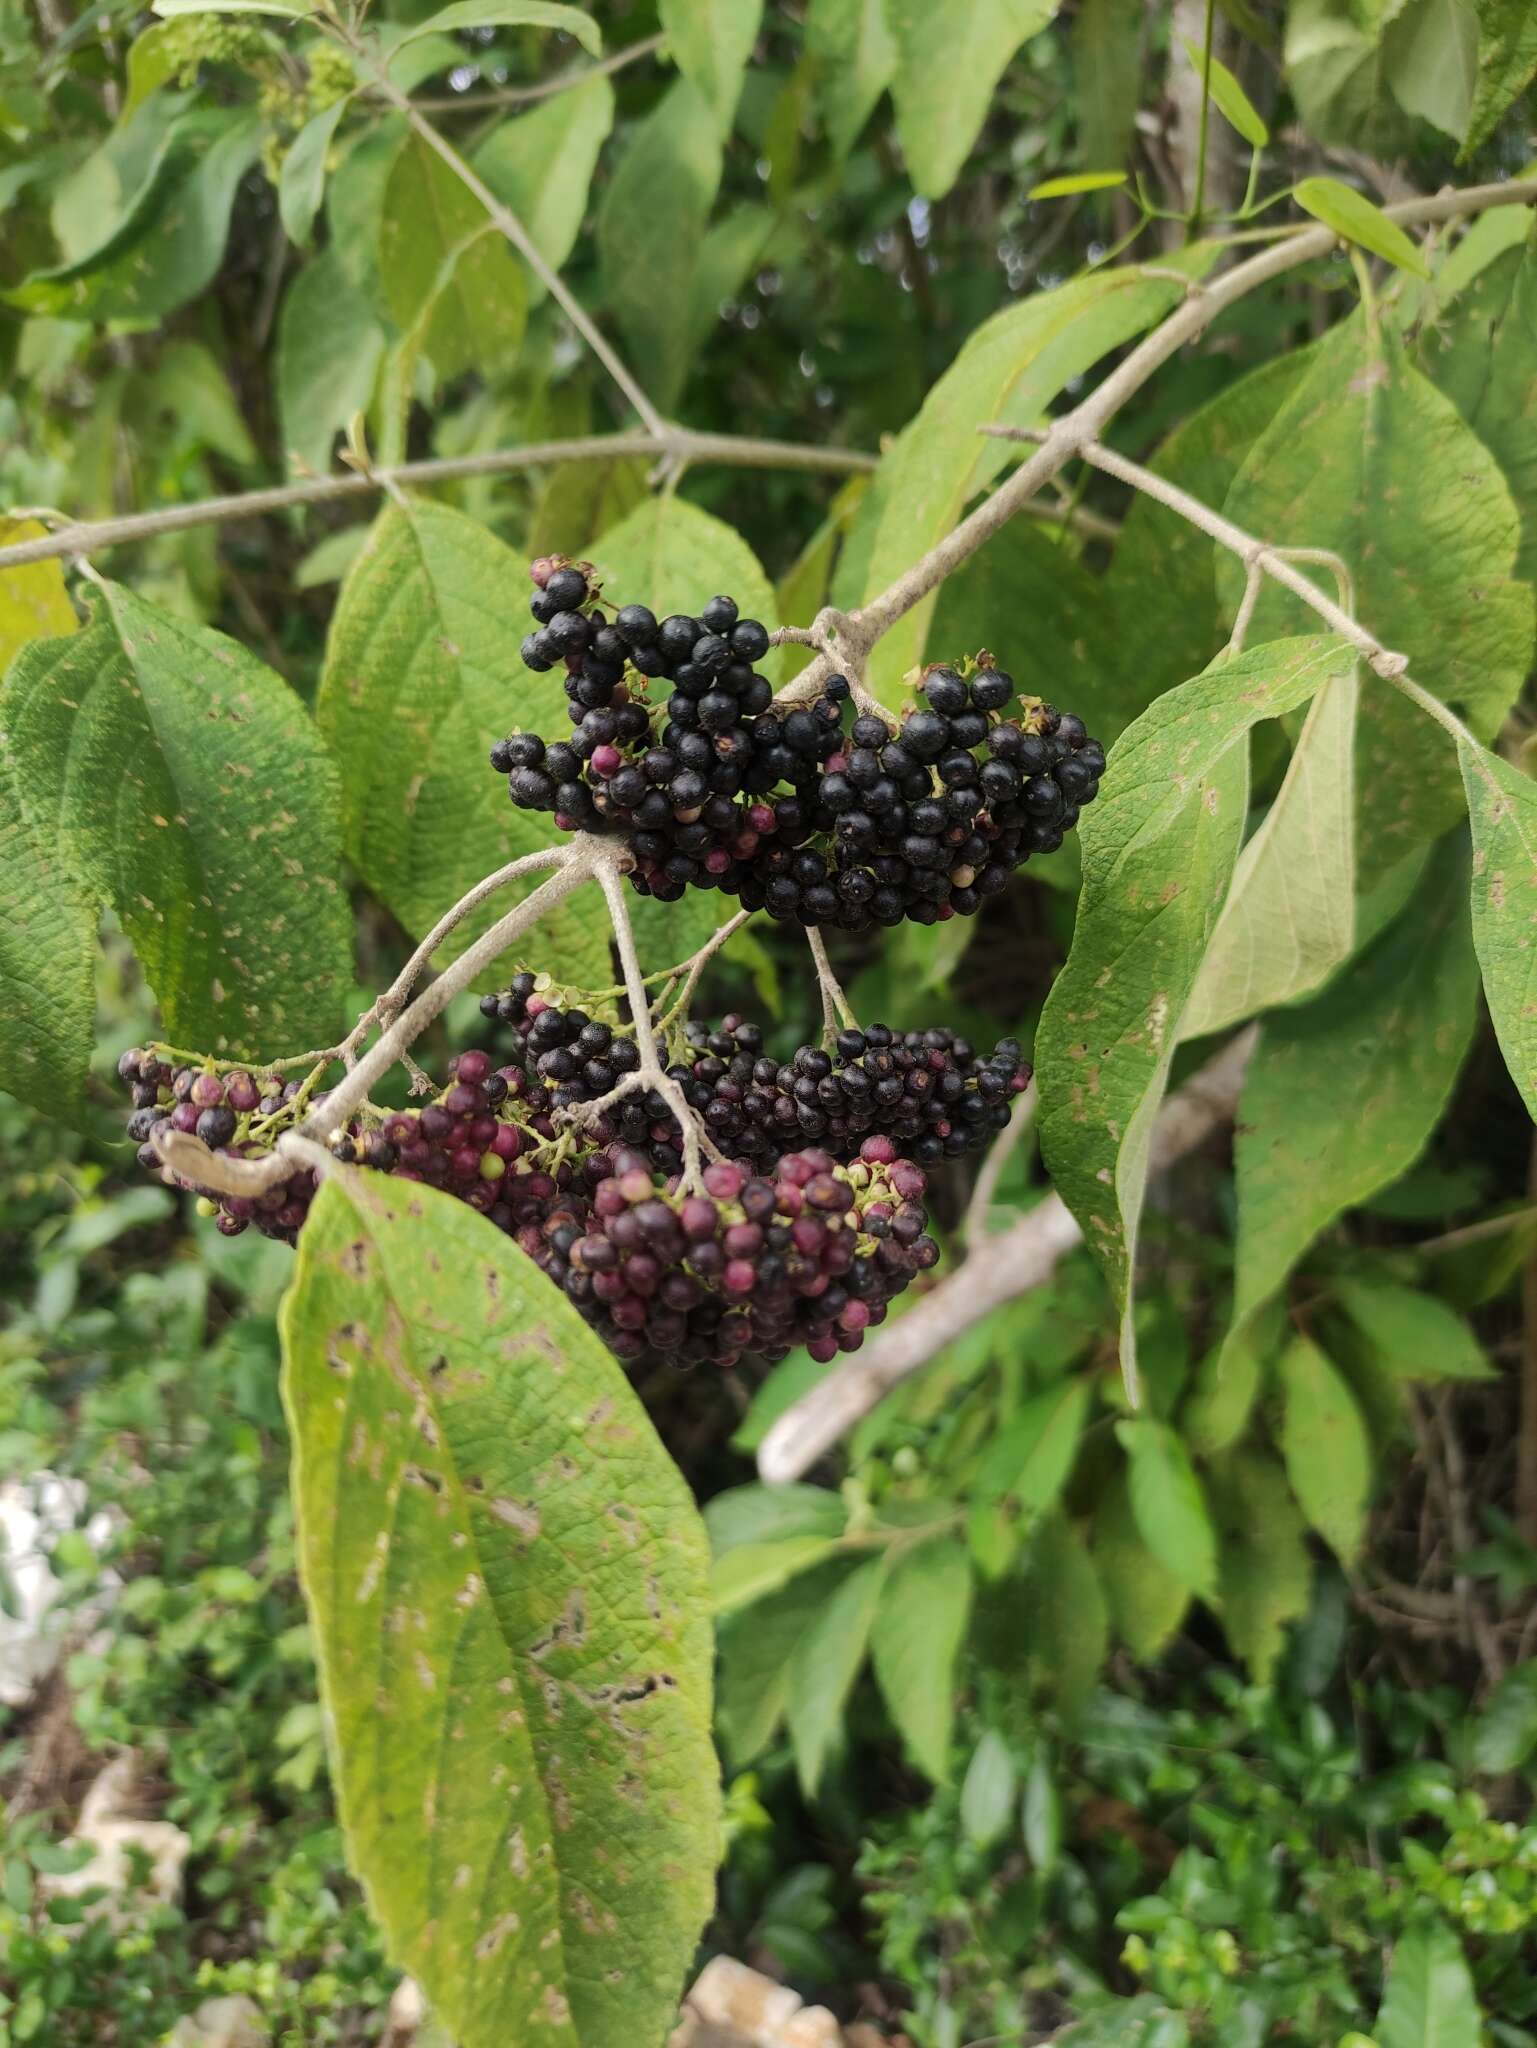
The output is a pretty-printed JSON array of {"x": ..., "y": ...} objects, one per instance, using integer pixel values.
[
  {"x": 1367, "y": 459},
  {"x": 1158, "y": 854},
  {"x": 1502, "y": 809},
  {"x": 184, "y": 783},
  {"x": 419, "y": 680},
  {"x": 949, "y": 61},
  {"x": 506, "y": 1578}
]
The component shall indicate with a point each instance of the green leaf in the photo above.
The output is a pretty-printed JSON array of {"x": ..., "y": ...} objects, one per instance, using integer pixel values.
[
  {"x": 302, "y": 179},
  {"x": 420, "y": 678},
  {"x": 1076, "y": 181},
  {"x": 47, "y": 962},
  {"x": 849, "y": 41},
  {"x": 949, "y": 62},
  {"x": 355, "y": 205},
  {"x": 329, "y": 348},
  {"x": 1147, "y": 1602},
  {"x": 1066, "y": 1622},
  {"x": 185, "y": 784},
  {"x": 916, "y": 1639},
  {"x": 1025, "y": 1469},
  {"x": 1227, "y": 1384},
  {"x": 1356, "y": 219},
  {"x": 464, "y": 14},
  {"x": 1480, "y": 356},
  {"x": 711, "y": 41},
  {"x": 1266, "y": 1567},
  {"x": 1009, "y": 370},
  {"x": 651, "y": 225},
  {"x": 442, "y": 261},
  {"x": 757, "y": 1647},
  {"x": 673, "y": 556},
  {"x": 506, "y": 1577},
  {"x": 1369, "y": 460},
  {"x": 1431, "y": 47},
  {"x": 1324, "y": 1441},
  {"x": 769, "y": 1514},
  {"x": 988, "y": 1791},
  {"x": 1507, "y": 64},
  {"x": 1040, "y": 1815},
  {"x": 804, "y": 587},
  {"x": 1336, "y": 58},
  {"x": 1388, "y": 1037},
  {"x": 1413, "y": 1335},
  {"x": 1429, "y": 2001},
  {"x": 168, "y": 247},
  {"x": 170, "y": 8},
  {"x": 751, "y": 1570},
  {"x": 1502, "y": 810},
  {"x": 1158, "y": 851},
  {"x": 825, "y": 1663},
  {"x": 1168, "y": 1504},
  {"x": 578, "y": 501},
  {"x": 1107, "y": 76},
  {"x": 540, "y": 164},
  {"x": 1289, "y": 919},
  {"x": 1140, "y": 2022},
  {"x": 1505, "y": 1733},
  {"x": 1225, "y": 93}
]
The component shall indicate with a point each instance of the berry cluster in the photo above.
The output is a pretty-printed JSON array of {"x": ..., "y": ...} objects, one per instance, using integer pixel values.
[
  {"x": 802, "y": 811},
  {"x": 807, "y": 1252},
  {"x": 928, "y": 1093}
]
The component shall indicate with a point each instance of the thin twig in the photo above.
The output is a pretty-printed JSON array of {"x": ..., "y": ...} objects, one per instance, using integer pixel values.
[
  {"x": 525, "y": 95},
  {"x": 1011, "y": 1264},
  {"x": 999, "y": 1153},
  {"x": 692, "y": 969},
  {"x": 84, "y": 537},
  {"x": 836, "y": 1011}
]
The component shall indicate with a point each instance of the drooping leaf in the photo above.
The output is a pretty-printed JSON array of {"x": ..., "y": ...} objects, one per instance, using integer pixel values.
[
  {"x": 1147, "y": 1602},
  {"x": 550, "y": 14},
  {"x": 1505, "y": 1733},
  {"x": 1354, "y": 217},
  {"x": 186, "y": 786},
  {"x": 711, "y": 41},
  {"x": 769, "y": 1514},
  {"x": 1225, "y": 93},
  {"x": 1413, "y": 1335},
  {"x": 1107, "y": 76},
  {"x": 443, "y": 262},
  {"x": 1431, "y": 48},
  {"x": 540, "y": 164},
  {"x": 1387, "y": 1037},
  {"x": 751, "y": 1571},
  {"x": 823, "y": 1667},
  {"x": 1227, "y": 1384},
  {"x": 651, "y": 225},
  {"x": 916, "y": 1638},
  {"x": 987, "y": 1791},
  {"x": 1429, "y": 2001},
  {"x": 1158, "y": 851},
  {"x": 1289, "y": 919},
  {"x": 506, "y": 1578},
  {"x": 757, "y": 1649},
  {"x": 1065, "y": 1621},
  {"x": 1074, "y": 182},
  {"x": 1369, "y": 460},
  {"x": 1266, "y": 1567},
  {"x": 1024, "y": 1471},
  {"x": 1169, "y": 1506},
  {"x": 949, "y": 60},
  {"x": 1502, "y": 810},
  {"x": 329, "y": 347},
  {"x": 1483, "y": 356},
  {"x": 850, "y": 43},
  {"x": 1325, "y": 1444},
  {"x": 302, "y": 180},
  {"x": 420, "y": 678},
  {"x": 1336, "y": 65},
  {"x": 1009, "y": 370},
  {"x": 1507, "y": 64}
]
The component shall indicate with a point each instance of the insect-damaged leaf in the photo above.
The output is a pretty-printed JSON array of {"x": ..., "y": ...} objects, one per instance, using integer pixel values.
[{"x": 507, "y": 1580}]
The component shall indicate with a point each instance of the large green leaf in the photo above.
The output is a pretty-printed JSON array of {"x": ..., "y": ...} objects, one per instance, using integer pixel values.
[
  {"x": 1505, "y": 1733},
  {"x": 850, "y": 43},
  {"x": 185, "y": 784},
  {"x": 1010, "y": 369},
  {"x": 757, "y": 1653},
  {"x": 1107, "y": 79},
  {"x": 1429, "y": 2001},
  {"x": 651, "y": 225},
  {"x": 1065, "y": 1620},
  {"x": 1369, "y": 460},
  {"x": 1147, "y": 1601},
  {"x": 1169, "y": 1506},
  {"x": 443, "y": 263},
  {"x": 1266, "y": 1567},
  {"x": 670, "y": 555},
  {"x": 506, "y": 1578},
  {"x": 166, "y": 249},
  {"x": 823, "y": 1667},
  {"x": 1337, "y": 63},
  {"x": 711, "y": 41},
  {"x": 1325, "y": 1444},
  {"x": 949, "y": 60},
  {"x": 917, "y": 1635},
  {"x": 1502, "y": 810},
  {"x": 1412, "y": 1335},
  {"x": 1026, "y": 1467},
  {"x": 421, "y": 676},
  {"x": 1432, "y": 61},
  {"x": 579, "y": 500},
  {"x": 329, "y": 346},
  {"x": 302, "y": 179},
  {"x": 1507, "y": 64},
  {"x": 1483, "y": 356},
  {"x": 1289, "y": 919},
  {"x": 1385, "y": 1038},
  {"x": 540, "y": 164},
  {"x": 1158, "y": 854}
]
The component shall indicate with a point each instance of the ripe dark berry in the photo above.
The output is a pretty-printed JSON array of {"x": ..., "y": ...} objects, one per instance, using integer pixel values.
[{"x": 946, "y": 693}]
